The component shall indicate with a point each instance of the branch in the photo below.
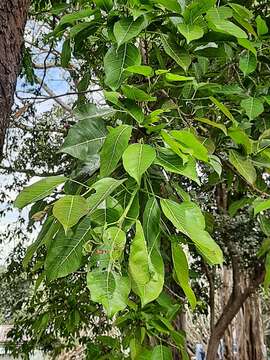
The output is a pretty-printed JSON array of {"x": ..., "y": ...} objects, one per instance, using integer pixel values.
[
  {"x": 53, "y": 95},
  {"x": 210, "y": 279},
  {"x": 46, "y": 98}
]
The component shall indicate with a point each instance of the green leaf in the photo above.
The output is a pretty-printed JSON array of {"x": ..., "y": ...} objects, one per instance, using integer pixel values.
[
  {"x": 177, "y": 53},
  {"x": 104, "y": 4},
  {"x": 220, "y": 13},
  {"x": 174, "y": 146},
  {"x": 103, "y": 188},
  {"x": 190, "y": 32},
  {"x": 134, "y": 110},
  {"x": 242, "y": 11},
  {"x": 109, "y": 289},
  {"x": 137, "y": 158},
  {"x": 65, "y": 53},
  {"x": 116, "y": 61},
  {"x": 248, "y": 63},
  {"x": 138, "y": 259},
  {"x": 85, "y": 138},
  {"x": 190, "y": 144},
  {"x": 161, "y": 352},
  {"x": 238, "y": 204},
  {"x": 227, "y": 27},
  {"x": 172, "y": 5},
  {"x": 112, "y": 150},
  {"x": 176, "y": 77},
  {"x": 70, "y": 209},
  {"x": 266, "y": 282},
  {"x": 248, "y": 45},
  {"x": 188, "y": 219},
  {"x": 216, "y": 164},
  {"x": 244, "y": 166},
  {"x": 213, "y": 123},
  {"x": 260, "y": 205},
  {"x": 239, "y": 136},
  {"x": 180, "y": 265},
  {"x": 126, "y": 29},
  {"x": 223, "y": 109},
  {"x": 262, "y": 27},
  {"x": 264, "y": 248},
  {"x": 265, "y": 225},
  {"x": 48, "y": 231},
  {"x": 38, "y": 191},
  {"x": 253, "y": 107},
  {"x": 134, "y": 93},
  {"x": 197, "y": 8},
  {"x": 65, "y": 253},
  {"x": 77, "y": 15},
  {"x": 141, "y": 70},
  {"x": 173, "y": 163},
  {"x": 146, "y": 270},
  {"x": 151, "y": 223}
]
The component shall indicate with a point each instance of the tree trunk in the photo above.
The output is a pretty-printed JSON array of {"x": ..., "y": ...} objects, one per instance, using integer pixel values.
[
  {"x": 239, "y": 324},
  {"x": 13, "y": 15}
]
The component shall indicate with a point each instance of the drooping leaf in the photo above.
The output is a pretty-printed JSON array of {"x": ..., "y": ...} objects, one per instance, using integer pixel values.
[
  {"x": 176, "y": 77},
  {"x": 190, "y": 144},
  {"x": 146, "y": 270},
  {"x": 188, "y": 218},
  {"x": 141, "y": 70},
  {"x": 49, "y": 229},
  {"x": 238, "y": 204},
  {"x": 180, "y": 265},
  {"x": 151, "y": 223},
  {"x": 216, "y": 164},
  {"x": 220, "y": 13},
  {"x": 173, "y": 163},
  {"x": 223, "y": 109},
  {"x": 134, "y": 93},
  {"x": 161, "y": 352},
  {"x": 253, "y": 107},
  {"x": 65, "y": 53},
  {"x": 38, "y": 190},
  {"x": 112, "y": 150},
  {"x": 190, "y": 32},
  {"x": 138, "y": 258},
  {"x": 213, "y": 123},
  {"x": 240, "y": 137},
  {"x": 109, "y": 289},
  {"x": 126, "y": 29},
  {"x": 227, "y": 27},
  {"x": 262, "y": 27},
  {"x": 248, "y": 45},
  {"x": 172, "y": 5},
  {"x": 260, "y": 205},
  {"x": 137, "y": 158},
  {"x": 85, "y": 138},
  {"x": 70, "y": 209},
  {"x": 266, "y": 282},
  {"x": 178, "y": 54},
  {"x": 65, "y": 253},
  {"x": 116, "y": 61},
  {"x": 244, "y": 166},
  {"x": 248, "y": 63},
  {"x": 103, "y": 188}
]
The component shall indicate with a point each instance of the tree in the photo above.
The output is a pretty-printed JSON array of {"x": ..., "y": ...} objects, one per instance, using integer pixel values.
[
  {"x": 13, "y": 16},
  {"x": 178, "y": 156}
]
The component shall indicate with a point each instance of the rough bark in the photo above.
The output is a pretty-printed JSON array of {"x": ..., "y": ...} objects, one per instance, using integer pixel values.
[
  {"x": 239, "y": 295},
  {"x": 13, "y": 15}
]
